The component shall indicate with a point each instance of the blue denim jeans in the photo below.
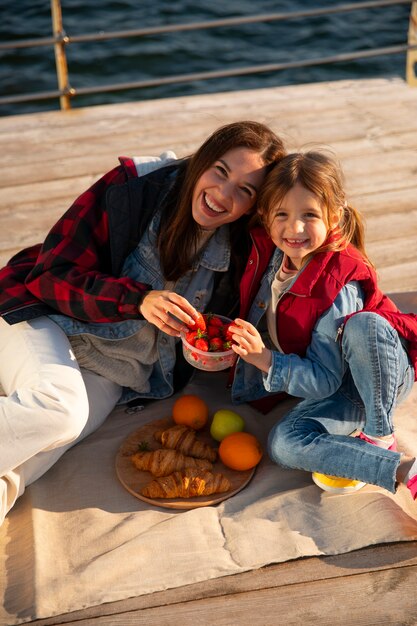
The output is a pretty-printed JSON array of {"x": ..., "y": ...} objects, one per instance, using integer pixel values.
[{"x": 314, "y": 435}]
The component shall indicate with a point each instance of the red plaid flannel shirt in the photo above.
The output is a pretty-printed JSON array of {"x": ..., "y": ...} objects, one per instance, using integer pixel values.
[{"x": 70, "y": 272}]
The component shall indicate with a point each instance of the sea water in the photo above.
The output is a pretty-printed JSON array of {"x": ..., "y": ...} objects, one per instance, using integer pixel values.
[{"x": 141, "y": 58}]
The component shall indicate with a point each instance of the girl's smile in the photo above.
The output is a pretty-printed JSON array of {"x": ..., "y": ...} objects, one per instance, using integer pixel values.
[
  {"x": 297, "y": 226},
  {"x": 295, "y": 243}
]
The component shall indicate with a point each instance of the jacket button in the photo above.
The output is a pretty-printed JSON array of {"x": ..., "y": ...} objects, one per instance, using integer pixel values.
[
  {"x": 261, "y": 304},
  {"x": 250, "y": 261}
]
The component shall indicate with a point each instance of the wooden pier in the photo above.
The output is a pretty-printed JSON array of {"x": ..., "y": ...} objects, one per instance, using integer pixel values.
[{"x": 47, "y": 159}]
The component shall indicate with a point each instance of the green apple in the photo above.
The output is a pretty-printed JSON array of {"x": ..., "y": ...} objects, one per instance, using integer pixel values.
[{"x": 225, "y": 422}]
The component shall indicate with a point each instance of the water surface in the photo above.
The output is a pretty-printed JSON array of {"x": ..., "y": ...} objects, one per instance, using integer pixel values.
[{"x": 141, "y": 58}]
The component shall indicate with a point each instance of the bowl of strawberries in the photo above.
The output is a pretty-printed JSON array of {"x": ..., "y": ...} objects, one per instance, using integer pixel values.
[{"x": 208, "y": 343}]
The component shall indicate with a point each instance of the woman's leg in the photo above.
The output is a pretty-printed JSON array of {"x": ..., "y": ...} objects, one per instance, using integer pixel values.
[
  {"x": 313, "y": 436},
  {"x": 46, "y": 403},
  {"x": 101, "y": 396}
]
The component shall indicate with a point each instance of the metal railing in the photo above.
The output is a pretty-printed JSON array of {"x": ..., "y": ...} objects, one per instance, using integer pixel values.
[
  {"x": 412, "y": 45},
  {"x": 61, "y": 39}
]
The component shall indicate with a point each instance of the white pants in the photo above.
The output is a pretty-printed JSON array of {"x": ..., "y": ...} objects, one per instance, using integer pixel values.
[{"x": 50, "y": 403}]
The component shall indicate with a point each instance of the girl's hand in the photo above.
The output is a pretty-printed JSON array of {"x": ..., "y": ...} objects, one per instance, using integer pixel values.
[
  {"x": 249, "y": 345},
  {"x": 167, "y": 311}
]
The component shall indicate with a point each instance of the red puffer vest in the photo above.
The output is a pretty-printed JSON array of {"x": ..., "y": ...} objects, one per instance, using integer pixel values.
[
  {"x": 314, "y": 292},
  {"x": 317, "y": 287}
]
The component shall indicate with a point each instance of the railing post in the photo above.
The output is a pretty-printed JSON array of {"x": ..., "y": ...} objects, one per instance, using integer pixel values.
[
  {"x": 60, "y": 57},
  {"x": 412, "y": 41}
]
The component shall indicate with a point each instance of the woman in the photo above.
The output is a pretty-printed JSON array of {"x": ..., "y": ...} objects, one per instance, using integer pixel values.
[{"x": 120, "y": 275}]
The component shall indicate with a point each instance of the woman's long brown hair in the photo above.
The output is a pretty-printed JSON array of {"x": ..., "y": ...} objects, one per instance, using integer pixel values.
[{"x": 179, "y": 233}]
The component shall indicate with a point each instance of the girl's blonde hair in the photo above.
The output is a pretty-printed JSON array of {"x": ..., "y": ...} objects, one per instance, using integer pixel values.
[{"x": 322, "y": 175}]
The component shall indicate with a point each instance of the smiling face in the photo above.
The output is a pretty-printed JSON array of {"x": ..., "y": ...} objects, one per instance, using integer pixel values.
[
  {"x": 228, "y": 189},
  {"x": 297, "y": 226}
]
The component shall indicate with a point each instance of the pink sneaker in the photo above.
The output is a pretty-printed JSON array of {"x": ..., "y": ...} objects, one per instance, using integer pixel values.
[
  {"x": 412, "y": 486},
  {"x": 393, "y": 446}
]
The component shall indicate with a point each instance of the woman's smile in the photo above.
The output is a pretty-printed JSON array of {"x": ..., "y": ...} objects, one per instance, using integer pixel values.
[
  {"x": 228, "y": 189},
  {"x": 212, "y": 204}
]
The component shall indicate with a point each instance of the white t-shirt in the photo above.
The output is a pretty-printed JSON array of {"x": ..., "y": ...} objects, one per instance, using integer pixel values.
[{"x": 283, "y": 278}]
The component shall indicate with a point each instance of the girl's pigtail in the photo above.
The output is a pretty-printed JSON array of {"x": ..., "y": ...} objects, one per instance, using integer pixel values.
[{"x": 353, "y": 230}]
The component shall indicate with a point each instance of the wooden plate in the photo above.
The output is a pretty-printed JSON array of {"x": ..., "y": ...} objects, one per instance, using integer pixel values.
[{"x": 134, "y": 480}]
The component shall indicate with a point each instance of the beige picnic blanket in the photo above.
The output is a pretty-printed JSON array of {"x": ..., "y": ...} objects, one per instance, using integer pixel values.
[{"x": 78, "y": 538}]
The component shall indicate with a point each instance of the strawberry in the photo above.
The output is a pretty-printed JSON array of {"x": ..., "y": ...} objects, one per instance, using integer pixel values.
[
  {"x": 213, "y": 320},
  {"x": 227, "y": 332},
  {"x": 198, "y": 323},
  {"x": 216, "y": 344},
  {"x": 214, "y": 331},
  {"x": 191, "y": 337},
  {"x": 202, "y": 344}
]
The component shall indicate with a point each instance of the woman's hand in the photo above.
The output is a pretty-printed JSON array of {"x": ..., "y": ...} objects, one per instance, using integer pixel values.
[
  {"x": 168, "y": 311},
  {"x": 249, "y": 345}
]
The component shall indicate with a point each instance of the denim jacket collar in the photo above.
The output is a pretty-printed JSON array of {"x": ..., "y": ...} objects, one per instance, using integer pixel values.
[{"x": 216, "y": 254}]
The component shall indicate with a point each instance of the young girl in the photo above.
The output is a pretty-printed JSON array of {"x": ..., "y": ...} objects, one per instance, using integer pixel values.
[
  {"x": 333, "y": 339},
  {"x": 93, "y": 316}
]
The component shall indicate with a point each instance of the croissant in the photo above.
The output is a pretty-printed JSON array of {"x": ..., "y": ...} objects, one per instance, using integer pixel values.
[
  {"x": 186, "y": 484},
  {"x": 184, "y": 440},
  {"x": 164, "y": 461}
]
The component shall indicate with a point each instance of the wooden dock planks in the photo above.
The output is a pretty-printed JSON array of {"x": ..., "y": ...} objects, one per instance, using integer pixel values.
[{"x": 47, "y": 159}]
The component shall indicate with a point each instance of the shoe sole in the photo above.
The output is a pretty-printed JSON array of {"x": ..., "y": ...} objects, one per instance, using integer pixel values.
[{"x": 338, "y": 490}]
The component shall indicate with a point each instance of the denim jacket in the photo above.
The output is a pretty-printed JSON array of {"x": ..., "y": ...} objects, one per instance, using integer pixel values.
[
  {"x": 143, "y": 265},
  {"x": 320, "y": 372}
]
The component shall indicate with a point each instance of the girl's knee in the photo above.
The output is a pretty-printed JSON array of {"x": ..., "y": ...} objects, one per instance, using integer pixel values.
[
  {"x": 292, "y": 442},
  {"x": 362, "y": 324},
  {"x": 279, "y": 447}
]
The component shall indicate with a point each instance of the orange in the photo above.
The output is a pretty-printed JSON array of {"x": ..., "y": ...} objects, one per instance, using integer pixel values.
[
  {"x": 190, "y": 410},
  {"x": 240, "y": 451}
]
